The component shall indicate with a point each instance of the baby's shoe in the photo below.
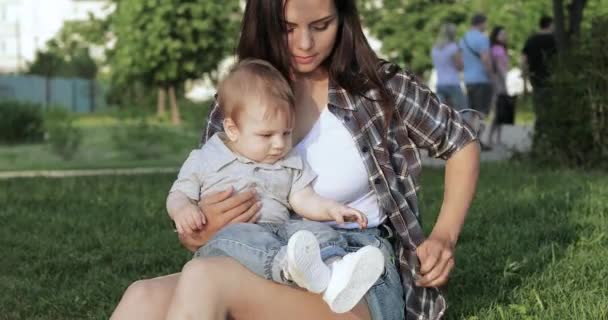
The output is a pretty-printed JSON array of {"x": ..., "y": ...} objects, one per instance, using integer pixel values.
[
  {"x": 352, "y": 277},
  {"x": 304, "y": 264}
]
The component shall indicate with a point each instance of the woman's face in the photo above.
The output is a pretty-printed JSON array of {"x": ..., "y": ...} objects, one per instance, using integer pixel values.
[
  {"x": 502, "y": 36},
  {"x": 312, "y": 26}
]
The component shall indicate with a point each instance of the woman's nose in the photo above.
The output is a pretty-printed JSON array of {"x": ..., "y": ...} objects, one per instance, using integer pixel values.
[{"x": 305, "y": 40}]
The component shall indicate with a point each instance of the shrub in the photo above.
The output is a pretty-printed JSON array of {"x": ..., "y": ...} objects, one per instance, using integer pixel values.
[
  {"x": 64, "y": 137},
  {"x": 145, "y": 141},
  {"x": 572, "y": 128},
  {"x": 20, "y": 122}
]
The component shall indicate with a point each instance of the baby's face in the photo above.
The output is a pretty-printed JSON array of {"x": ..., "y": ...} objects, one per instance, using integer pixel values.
[{"x": 263, "y": 139}]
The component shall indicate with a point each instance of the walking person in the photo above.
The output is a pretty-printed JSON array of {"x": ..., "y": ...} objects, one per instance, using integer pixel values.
[
  {"x": 500, "y": 65},
  {"x": 537, "y": 53},
  {"x": 475, "y": 47},
  {"x": 447, "y": 60}
]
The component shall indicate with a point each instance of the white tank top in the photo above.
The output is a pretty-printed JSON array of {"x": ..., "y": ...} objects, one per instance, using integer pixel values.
[{"x": 332, "y": 154}]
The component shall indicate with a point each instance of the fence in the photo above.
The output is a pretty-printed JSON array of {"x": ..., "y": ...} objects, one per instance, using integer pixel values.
[{"x": 75, "y": 94}]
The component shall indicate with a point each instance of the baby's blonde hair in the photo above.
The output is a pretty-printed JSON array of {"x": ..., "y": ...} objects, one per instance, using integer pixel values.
[{"x": 255, "y": 79}]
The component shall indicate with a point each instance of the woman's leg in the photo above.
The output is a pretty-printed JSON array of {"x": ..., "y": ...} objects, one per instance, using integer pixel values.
[
  {"x": 213, "y": 288},
  {"x": 146, "y": 299}
]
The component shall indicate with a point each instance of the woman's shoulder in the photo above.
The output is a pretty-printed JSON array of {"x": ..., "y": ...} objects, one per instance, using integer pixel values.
[{"x": 395, "y": 77}]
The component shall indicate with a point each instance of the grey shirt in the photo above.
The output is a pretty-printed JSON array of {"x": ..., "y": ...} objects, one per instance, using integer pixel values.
[{"x": 214, "y": 167}]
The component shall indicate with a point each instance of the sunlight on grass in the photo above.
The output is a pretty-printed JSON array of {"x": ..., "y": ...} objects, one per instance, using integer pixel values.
[{"x": 534, "y": 246}]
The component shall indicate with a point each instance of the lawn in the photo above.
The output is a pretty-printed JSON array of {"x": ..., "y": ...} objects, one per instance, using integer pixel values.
[
  {"x": 166, "y": 145},
  {"x": 99, "y": 149},
  {"x": 534, "y": 247}
]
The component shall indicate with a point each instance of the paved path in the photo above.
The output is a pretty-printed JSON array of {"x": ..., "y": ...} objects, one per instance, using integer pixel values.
[
  {"x": 83, "y": 173},
  {"x": 516, "y": 138}
]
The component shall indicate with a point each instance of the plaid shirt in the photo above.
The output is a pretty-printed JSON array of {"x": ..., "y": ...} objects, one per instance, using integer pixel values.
[{"x": 420, "y": 121}]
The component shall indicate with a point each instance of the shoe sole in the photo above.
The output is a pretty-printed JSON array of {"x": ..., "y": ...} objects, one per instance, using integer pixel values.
[
  {"x": 304, "y": 262},
  {"x": 364, "y": 274}
]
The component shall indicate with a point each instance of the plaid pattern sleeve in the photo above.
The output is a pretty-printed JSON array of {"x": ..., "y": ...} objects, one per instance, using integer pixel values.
[{"x": 431, "y": 125}]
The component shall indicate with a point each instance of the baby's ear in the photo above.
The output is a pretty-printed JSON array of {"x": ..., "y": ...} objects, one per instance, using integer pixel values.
[{"x": 231, "y": 130}]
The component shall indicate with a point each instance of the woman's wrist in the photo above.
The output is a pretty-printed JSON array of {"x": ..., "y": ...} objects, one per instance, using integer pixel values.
[{"x": 444, "y": 233}]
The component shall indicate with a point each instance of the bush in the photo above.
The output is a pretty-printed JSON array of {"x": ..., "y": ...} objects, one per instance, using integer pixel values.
[
  {"x": 20, "y": 122},
  {"x": 64, "y": 137},
  {"x": 146, "y": 141},
  {"x": 572, "y": 128}
]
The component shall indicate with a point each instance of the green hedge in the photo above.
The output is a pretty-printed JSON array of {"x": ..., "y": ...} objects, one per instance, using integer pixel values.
[
  {"x": 20, "y": 122},
  {"x": 572, "y": 127}
]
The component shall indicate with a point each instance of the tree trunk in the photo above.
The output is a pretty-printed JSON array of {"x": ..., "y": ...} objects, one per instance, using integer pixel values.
[
  {"x": 92, "y": 95},
  {"x": 575, "y": 10},
  {"x": 160, "y": 103},
  {"x": 47, "y": 91},
  {"x": 559, "y": 22},
  {"x": 175, "y": 118}
]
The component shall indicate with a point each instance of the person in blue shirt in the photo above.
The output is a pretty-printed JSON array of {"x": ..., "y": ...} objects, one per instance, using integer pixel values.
[{"x": 478, "y": 74}]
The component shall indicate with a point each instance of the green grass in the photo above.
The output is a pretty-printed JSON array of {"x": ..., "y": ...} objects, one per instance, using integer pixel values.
[
  {"x": 99, "y": 150},
  {"x": 524, "y": 112},
  {"x": 535, "y": 244}
]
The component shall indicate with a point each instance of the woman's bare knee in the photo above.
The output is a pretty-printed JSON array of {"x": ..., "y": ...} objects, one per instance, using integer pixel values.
[
  {"x": 146, "y": 297},
  {"x": 210, "y": 270},
  {"x": 139, "y": 291}
]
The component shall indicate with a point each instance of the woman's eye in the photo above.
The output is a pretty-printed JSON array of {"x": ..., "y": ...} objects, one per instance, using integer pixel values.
[
  {"x": 321, "y": 27},
  {"x": 289, "y": 29},
  {"x": 286, "y": 133}
]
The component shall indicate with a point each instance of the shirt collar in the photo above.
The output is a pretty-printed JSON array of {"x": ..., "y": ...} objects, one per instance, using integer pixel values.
[
  {"x": 338, "y": 97},
  {"x": 224, "y": 156}
]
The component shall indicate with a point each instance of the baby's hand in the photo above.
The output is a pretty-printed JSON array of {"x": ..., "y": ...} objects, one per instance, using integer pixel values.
[
  {"x": 189, "y": 219},
  {"x": 342, "y": 213}
]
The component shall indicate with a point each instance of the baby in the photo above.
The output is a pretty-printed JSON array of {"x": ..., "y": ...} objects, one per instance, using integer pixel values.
[{"x": 254, "y": 151}]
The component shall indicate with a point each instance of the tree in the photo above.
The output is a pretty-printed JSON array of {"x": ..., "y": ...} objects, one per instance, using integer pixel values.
[
  {"x": 68, "y": 54},
  {"x": 565, "y": 32},
  {"x": 166, "y": 42},
  {"x": 408, "y": 29}
]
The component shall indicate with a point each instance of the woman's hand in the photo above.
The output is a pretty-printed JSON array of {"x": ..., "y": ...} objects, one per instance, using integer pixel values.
[
  {"x": 436, "y": 256},
  {"x": 220, "y": 209}
]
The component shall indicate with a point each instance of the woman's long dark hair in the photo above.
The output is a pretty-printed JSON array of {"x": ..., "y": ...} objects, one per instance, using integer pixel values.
[
  {"x": 352, "y": 63},
  {"x": 494, "y": 37}
]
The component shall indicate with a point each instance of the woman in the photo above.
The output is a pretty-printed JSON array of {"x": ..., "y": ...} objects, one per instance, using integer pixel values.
[
  {"x": 448, "y": 63},
  {"x": 343, "y": 97},
  {"x": 500, "y": 62}
]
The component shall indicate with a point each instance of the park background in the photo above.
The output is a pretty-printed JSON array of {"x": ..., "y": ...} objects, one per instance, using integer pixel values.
[{"x": 101, "y": 101}]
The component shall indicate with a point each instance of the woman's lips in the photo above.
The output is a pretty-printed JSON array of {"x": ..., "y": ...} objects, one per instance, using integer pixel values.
[{"x": 304, "y": 60}]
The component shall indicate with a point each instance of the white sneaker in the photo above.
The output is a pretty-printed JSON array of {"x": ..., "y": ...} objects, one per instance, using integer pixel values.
[
  {"x": 304, "y": 264},
  {"x": 352, "y": 277}
]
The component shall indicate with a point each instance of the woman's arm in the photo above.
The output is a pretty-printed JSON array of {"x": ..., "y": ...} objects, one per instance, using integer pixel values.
[
  {"x": 445, "y": 134},
  {"x": 436, "y": 253}
]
